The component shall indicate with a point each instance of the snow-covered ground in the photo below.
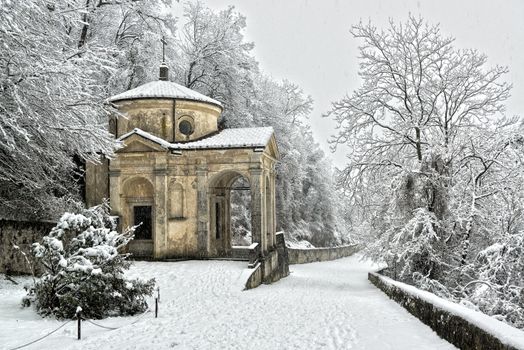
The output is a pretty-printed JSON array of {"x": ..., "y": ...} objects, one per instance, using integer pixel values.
[{"x": 327, "y": 305}]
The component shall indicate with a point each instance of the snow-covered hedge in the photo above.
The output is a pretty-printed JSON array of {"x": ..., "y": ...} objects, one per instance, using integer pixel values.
[
  {"x": 83, "y": 267},
  {"x": 461, "y": 326}
]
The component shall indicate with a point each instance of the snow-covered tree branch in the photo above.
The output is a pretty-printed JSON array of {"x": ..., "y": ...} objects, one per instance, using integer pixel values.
[{"x": 434, "y": 164}]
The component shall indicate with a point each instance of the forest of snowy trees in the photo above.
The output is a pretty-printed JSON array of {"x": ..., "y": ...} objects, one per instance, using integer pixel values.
[
  {"x": 61, "y": 60},
  {"x": 435, "y": 174},
  {"x": 434, "y": 179}
]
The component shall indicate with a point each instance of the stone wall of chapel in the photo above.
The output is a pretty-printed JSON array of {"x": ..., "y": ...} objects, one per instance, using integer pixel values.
[
  {"x": 152, "y": 115},
  {"x": 181, "y": 235},
  {"x": 181, "y": 231},
  {"x": 161, "y": 117},
  {"x": 203, "y": 116}
]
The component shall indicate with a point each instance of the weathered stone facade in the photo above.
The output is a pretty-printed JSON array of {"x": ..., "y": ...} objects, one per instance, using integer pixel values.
[{"x": 176, "y": 168}]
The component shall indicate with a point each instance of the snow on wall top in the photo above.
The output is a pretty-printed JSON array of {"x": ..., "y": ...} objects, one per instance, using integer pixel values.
[
  {"x": 227, "y": 138},
  {"x": 163, "y": 89}
]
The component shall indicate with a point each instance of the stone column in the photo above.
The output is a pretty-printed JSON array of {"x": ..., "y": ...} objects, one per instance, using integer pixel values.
[
  {"x": 160, "y": 212},
  {"x": 257, "y": 206},
  {"x": 274, "y": 209},
  {"x": 202, "y": 211},
  {"x": 273, "y": 194},
  {"x": 270, "y": 209},
  {"x": 227, "y": 221}
]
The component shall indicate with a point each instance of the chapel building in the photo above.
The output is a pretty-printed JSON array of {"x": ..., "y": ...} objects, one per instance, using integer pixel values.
[{"x": 174, "y": 172}]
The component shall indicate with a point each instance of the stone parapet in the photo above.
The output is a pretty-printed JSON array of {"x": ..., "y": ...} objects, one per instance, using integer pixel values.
[
  {"x": 272, "y": 266},
  {"x": 452, "y": 327},
  {"x": 309, "y": 255}
]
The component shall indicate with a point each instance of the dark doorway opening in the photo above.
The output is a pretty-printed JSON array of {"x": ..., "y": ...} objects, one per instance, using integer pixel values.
[
  {"x": 143, "y": 216},
  {"x": 218, "y": 220}
]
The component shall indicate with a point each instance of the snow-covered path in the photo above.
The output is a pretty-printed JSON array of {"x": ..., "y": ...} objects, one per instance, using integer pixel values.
[{"x": 328, "y": 305}]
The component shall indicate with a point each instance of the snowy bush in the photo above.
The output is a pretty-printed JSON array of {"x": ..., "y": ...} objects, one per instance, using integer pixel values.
[
  {"x": 499, "y": 290},
  {"x": 84, "y": 267}
]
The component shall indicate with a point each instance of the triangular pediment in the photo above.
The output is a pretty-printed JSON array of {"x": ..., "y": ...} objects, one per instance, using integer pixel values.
[
  {"x": 272, "y": 148},
  {"x": 139, "y": 144}
]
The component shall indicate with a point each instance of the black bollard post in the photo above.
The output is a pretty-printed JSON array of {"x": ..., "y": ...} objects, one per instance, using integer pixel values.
[
  {"x": 156, "y": 307},
  {"x": 79, "y": 317}
]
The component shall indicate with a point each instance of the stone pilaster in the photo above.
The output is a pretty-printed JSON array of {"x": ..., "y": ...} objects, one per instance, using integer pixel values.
[
  {"x": 115, "y": 193},
  {"x": 160, "y": 212},
  {"x": 273, "y": 227},
  {"x": 258, "y": 235},
  {"x": 202, "y": 210},
  {"x": 227, "y": 221}
]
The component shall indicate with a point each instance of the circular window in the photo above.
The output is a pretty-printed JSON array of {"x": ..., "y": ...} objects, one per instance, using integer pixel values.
[{"x": 185, "y": 127}]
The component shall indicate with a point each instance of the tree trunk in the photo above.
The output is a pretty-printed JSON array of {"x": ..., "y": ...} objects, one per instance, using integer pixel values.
[
  {"x": 85, "y": 27},
  {"x": 419, "y": 146}
]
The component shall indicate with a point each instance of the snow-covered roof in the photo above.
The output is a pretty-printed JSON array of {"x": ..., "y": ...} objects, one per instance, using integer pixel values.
[
  {"x": 163, "y": 89},
  {"x": 145, "y": 135},
  {"x": 231, "y": 138},
  {"x": 227, "y": 138}
]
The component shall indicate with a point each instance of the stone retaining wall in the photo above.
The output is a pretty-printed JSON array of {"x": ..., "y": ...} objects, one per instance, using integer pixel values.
[
  {"x": 450, "y": 327},
  {"x": 255, "y": 279},
  {"x": 272, "y": 267},
  {"x": 22, "y": 234},
  {"x": 304, "y": 256}
]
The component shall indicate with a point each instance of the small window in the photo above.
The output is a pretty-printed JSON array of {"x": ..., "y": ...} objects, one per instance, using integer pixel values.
[
  {"x": 185, "y": 127},
  {"x": 142, "y": 215}
]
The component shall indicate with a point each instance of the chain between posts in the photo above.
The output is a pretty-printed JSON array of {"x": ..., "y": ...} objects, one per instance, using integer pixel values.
[
  {"x": 79, "y": 318},
  {"x": 37, "y": 340}
]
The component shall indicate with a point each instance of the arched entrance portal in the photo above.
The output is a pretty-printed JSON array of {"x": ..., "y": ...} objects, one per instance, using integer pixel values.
[{"x": 230, "y": 213}]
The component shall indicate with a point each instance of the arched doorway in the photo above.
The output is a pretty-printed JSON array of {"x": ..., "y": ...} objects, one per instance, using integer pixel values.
[{"x": 229, "y": 213}]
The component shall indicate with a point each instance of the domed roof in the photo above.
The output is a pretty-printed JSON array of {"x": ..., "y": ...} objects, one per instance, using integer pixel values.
[{"x": 164, "y": 89}]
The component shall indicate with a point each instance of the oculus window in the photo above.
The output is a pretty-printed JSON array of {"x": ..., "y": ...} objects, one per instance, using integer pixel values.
[{"x": 185, "y": 127}]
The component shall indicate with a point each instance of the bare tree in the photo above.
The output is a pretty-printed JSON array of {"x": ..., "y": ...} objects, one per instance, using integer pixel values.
[
  {"x": 418, "y": 92},
  {"x": 433, "y": 161}
]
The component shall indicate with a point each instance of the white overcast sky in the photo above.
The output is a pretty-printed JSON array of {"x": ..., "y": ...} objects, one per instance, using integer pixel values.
[{"x": 308, "y": 42}]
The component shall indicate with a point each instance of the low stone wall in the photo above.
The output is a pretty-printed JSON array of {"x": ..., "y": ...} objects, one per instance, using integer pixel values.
[
  {"x": 453, "y": 328},
  {"x": 272, "y": 267},
  {"x": 22, "y": 234},
  {"x": 283, "y": 255},
  {"x": 304, "y": 256},
  {"x": 255, "y": 279}
]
